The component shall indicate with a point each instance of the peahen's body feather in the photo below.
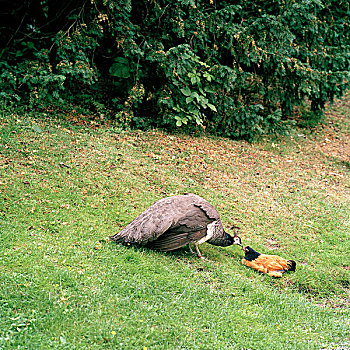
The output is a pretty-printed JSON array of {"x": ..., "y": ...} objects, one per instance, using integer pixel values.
[{"x": 174, "y": 222}]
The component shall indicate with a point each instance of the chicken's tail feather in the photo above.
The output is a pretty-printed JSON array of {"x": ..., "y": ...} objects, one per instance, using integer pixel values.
[{"x": 291, "y": 265}]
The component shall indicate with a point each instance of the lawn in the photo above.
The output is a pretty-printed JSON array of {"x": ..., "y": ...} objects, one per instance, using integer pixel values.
[{"x": 66, "y": 184}]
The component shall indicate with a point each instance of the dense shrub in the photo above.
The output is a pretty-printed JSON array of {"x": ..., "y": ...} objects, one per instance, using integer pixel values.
[{"x": 237, "y": 70}]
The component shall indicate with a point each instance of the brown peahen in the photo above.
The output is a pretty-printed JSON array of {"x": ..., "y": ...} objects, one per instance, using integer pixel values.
[{"x": 176, "y": 221}]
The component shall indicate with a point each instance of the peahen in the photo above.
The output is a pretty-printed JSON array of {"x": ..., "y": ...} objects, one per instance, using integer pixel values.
[{"x": 176, "y": 221}]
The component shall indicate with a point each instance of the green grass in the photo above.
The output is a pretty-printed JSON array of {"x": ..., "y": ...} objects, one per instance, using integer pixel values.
[{"x": 66, "y": 188}]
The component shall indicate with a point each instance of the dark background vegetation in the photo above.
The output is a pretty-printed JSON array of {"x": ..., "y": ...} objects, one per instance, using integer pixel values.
[{"x": 236, "y": 70}]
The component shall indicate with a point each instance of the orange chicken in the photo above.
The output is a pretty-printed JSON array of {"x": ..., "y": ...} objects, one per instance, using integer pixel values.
[{"x": 273, "y": 265}]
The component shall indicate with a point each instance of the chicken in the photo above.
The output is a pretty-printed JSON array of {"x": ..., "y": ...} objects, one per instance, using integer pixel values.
[
  {"x": 176, "y": 221},
  {"x": 273, "y": 265}
]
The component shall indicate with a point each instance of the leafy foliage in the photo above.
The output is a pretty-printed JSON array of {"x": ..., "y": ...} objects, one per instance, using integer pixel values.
[
  {"x": 188, "y": 92},
  {"x": 238, "y": 70}
]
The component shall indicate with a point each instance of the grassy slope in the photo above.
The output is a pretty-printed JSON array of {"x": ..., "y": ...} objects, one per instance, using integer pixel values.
[{"x": 64, "y": 285}]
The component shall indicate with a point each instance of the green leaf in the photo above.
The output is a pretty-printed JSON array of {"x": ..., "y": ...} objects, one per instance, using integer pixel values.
[
  {"x": 203, "y": 101},
  {"x": 120, "y": 68},
  {"x": 208, "y": 89},
  {"x": 208, "y": 76},
  {"x": 212, "y": 107},
  {"x": 199, "y": 121},
  {"x": 186, "y": 91},
  {"x": 201, "y": 90}
]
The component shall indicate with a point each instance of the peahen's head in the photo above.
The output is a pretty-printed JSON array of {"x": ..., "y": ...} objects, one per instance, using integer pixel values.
[
  {"x": 229, "y": 240},
  {"x": 237, "y": 240}
]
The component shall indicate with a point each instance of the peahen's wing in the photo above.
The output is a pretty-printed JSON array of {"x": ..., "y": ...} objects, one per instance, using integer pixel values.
[
  {"x": 177, "y": 214},
  {"x": 206, "y": 207},
  {"x": 219, "y": 237},
  {"x": 149, "y": 225},
  {"x": 195, "y": 215},
  {"x": 171, "y": 240}
]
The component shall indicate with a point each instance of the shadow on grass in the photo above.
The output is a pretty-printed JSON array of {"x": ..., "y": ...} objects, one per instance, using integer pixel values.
[{"x": 183, "y": 253}]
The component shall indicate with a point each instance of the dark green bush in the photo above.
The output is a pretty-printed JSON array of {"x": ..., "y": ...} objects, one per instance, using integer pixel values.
[{"x": 237, "y": 70}]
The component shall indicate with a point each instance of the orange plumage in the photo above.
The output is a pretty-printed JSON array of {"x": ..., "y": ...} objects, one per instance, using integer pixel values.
[{"x": 273, "y": 265}]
